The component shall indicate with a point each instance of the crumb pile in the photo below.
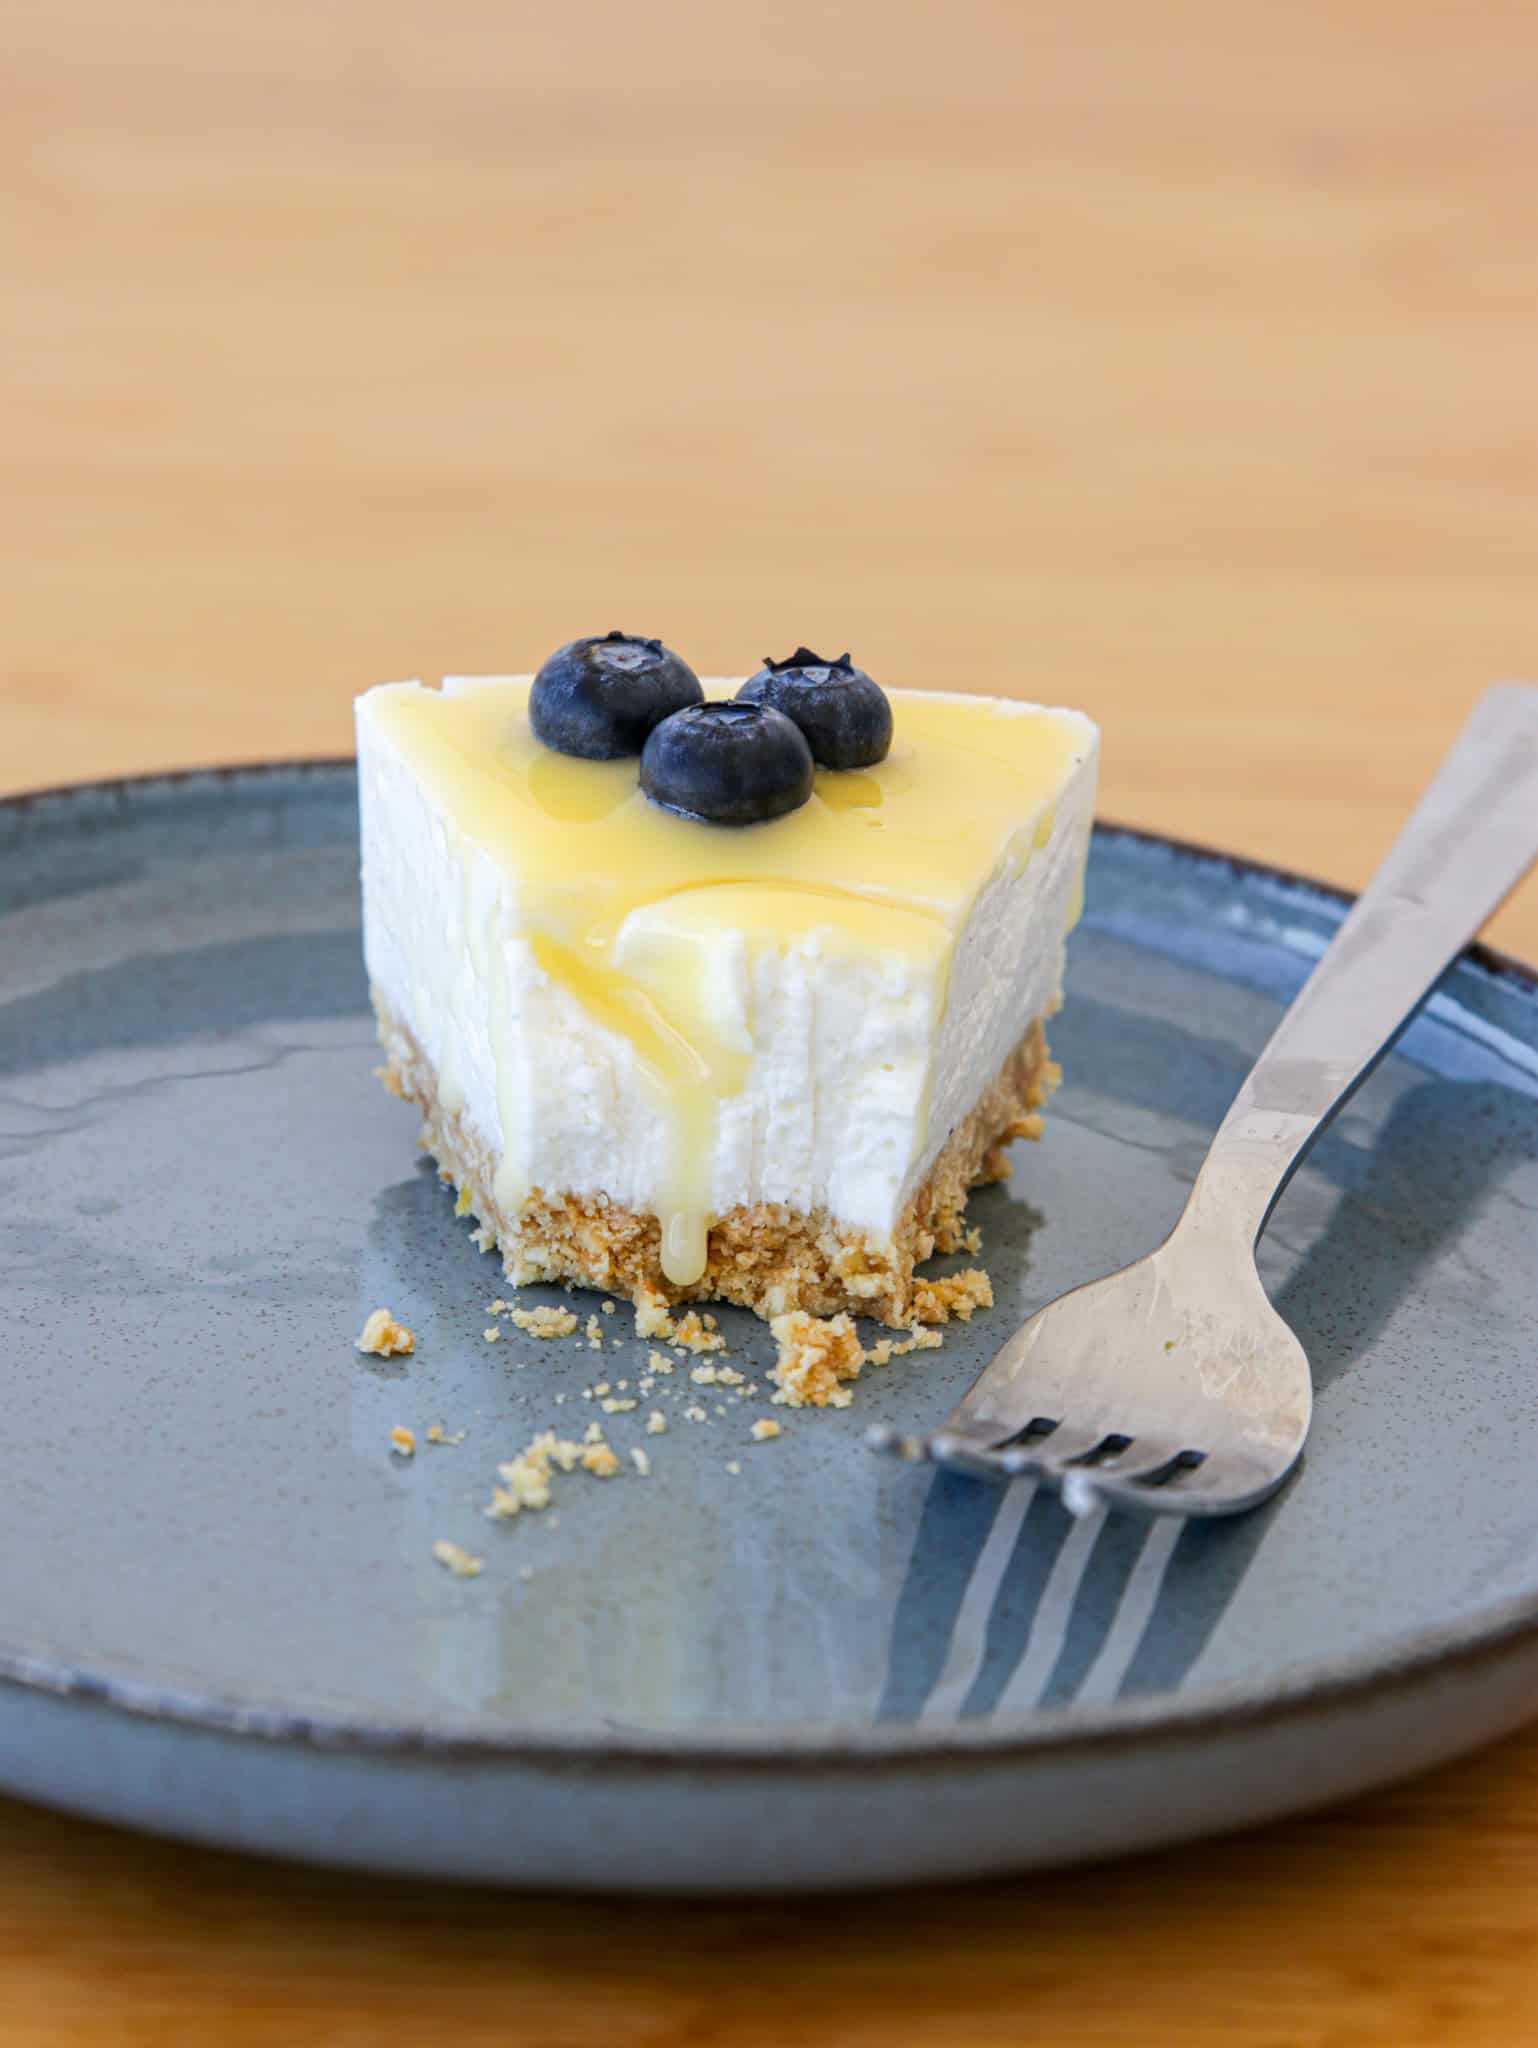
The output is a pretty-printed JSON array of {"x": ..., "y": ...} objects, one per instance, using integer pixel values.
[{"x": 818, "y": 1359}]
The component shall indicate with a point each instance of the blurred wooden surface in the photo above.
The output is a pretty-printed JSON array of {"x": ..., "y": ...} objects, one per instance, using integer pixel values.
[{"x": 1176, "y": 362}]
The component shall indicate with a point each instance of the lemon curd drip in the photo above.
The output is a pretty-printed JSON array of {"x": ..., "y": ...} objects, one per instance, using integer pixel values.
[{"x": 627, "y": 907}]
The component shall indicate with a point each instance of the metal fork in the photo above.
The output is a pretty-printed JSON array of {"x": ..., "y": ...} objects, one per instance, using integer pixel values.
[{"x": 1173, "y": 1386}]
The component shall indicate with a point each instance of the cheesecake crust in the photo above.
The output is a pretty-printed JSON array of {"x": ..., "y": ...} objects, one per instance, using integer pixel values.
[{"x": 765, "y": 1256}]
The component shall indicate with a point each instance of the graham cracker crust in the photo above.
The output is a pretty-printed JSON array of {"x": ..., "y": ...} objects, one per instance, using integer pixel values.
[{"x": 766, "y": 1257}]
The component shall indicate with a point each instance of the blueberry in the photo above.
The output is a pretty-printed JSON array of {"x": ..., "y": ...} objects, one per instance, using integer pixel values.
[
  {"x": 599, "y": 698},
  {"x": 727, "y": 764},
  {"x": 846, "y": 717}
]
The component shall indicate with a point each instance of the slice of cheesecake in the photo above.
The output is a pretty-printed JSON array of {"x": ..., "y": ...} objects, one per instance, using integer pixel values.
[{"x": 679, "y": 1060}]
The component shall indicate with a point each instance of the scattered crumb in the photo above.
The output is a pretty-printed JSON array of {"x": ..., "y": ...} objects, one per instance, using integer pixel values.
[
  {"x": 437, "y": 1434},
  {"x": 729, "y": 1376},
  {"x": 888, "y": 1348},
  {"x": 659, "y": 1362},
  {"x": 617, "y": 1406},
  {"x": 652, "y": 1318},
  {"x": 545, "y": 1322},
  {"x": 733, "y": 1466},
  {"x": 601, "y": 1389},
  {"x": 402, "y": 1440},
  {"x": 457, "y": 1559},
  {"x": 921, "y": 1340},
  {"x": 499, "y": 1307},
  {"x": 765, "y": 1428},
  {"x": 384, "y": 1336},
  {"x": 696, "y": 1335},
  {"x": 491, "y": 1333},
  {"x": 690, "y": 1332},
  {"x": 526, "y": 1479},
  {"x": 656, "y": 1423},
  {"x": 958, "y": 1294},
  {"x": 641, "y": 1462},
  {"x": 608, "y": 1308},
  {"x": 594, "y": 1330},
  {"x": 695, "y": 1414},
  {"x": 815, "y": 1356},
  {"x": 704, "y": 1375},
  {"x": 972, "y": 1240}
]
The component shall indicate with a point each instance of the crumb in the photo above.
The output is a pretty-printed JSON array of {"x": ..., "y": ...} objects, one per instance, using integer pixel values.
[
  {"x": 497, "y": 1308},
  {"x": 659, "y": 1362},
  {"x": 402, "y": 1440},
  {"x": 437, "y": 1434},
  {"x": 593, "y": 1434},
  {"x": 958, "y": 1294},
  {"x": 729, "y": 1376},
  {"x": 704, "y": 1375},
  {"x": 545, "y": 1322},
  {"x": 641, "y": 1462},
  {"x": 765, "y": 1428},
  {"x": 656, "y": 1423},
  {"x": 623, "y": 1386},
  {"x": 652, "y": 1318},
  {"x": 384, "y": 1336},
  {"x": 601, "y": 1389},
  {"x": 645, "y": 1384},
  {"x": 921, "y": 1340},
  {"x": 457, "y": 1559},
  {"x": 733, "y": 1466},
  {"x": 609, "y": 1307},
  {"x": 616, "y": 1406},
  {"x": 815, "y": 1356},
  {"x": 600, "y": 1460},
  {"x": 972, "y": 1240},
  {"x": 880, "y": 1353},
  {"x": 689, "y": 1332},
  {"x": 594, "y": 1330},
  {"x": 491, "y": 1333},
  {"x": 697, "y": 1336},
  {"x": 695, "y": 1414}
]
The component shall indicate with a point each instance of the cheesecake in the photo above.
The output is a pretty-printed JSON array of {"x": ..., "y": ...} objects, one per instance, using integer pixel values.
[{"x": 712, "y": 1000}]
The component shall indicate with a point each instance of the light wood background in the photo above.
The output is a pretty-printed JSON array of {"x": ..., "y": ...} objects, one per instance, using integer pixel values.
[{"x": 1177, "y": 362}]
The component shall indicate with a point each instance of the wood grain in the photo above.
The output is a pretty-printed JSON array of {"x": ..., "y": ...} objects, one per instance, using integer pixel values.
[{"x": 1174, "y": 362}]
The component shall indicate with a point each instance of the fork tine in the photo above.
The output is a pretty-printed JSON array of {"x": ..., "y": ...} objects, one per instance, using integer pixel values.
[{"x": 971, "y": 1447}]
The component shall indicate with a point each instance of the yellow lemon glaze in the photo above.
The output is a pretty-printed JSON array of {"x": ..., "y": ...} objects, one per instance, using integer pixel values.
[{"x": 628, "y": 907}]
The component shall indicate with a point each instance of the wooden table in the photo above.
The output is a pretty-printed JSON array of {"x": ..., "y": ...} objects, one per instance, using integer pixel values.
[{"x": 1177, "y": 362}]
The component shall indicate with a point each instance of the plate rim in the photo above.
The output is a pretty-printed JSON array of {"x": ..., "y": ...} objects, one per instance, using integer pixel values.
[{"x": 1310, "y": 1691}]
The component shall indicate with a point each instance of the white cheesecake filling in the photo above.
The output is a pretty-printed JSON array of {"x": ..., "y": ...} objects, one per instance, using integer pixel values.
[{"x": 689, "y": 1019}]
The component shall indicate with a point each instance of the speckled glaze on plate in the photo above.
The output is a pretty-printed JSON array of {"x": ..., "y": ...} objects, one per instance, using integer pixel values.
[{"x": 219, "y": 1612}]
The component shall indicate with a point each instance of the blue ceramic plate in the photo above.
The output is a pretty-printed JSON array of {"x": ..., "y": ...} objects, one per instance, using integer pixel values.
[{"x": 219, "y": 1610}]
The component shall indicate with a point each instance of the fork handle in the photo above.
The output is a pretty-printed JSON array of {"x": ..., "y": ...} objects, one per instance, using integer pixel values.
[{"x": 1470, "y": 840}]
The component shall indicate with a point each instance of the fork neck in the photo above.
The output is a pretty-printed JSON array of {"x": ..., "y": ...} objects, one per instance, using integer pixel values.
[{"x": 1471, "y": 839}]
